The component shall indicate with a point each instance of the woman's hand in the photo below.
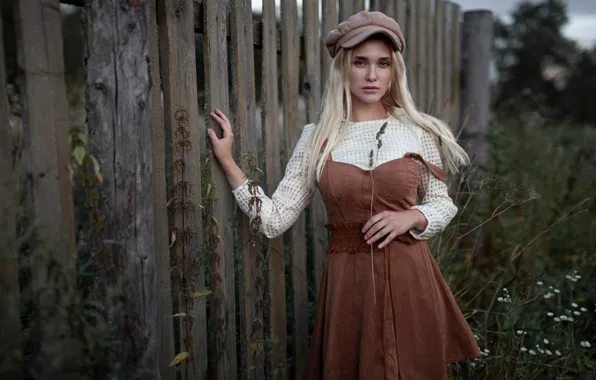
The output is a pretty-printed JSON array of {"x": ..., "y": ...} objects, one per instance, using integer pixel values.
[
  {"x": 392, "y": 224},
  {"x": 222, "y": 148}
]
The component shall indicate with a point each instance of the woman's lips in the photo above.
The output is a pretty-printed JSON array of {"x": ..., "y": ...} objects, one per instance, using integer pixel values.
[{"x": 370, "y": 90}]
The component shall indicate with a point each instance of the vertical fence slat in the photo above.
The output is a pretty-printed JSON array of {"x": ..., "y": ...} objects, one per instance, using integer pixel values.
[
  {"x": 275, "y": 254},
  {"x": 348, "y": 8},
  {"x": 219, "y": 203},
  {"x": 290, "y": 53},
  {"x": 421, "y": 59},
  {"x": 439, "y": 57},
  {"x": 430, "y": 59},
  {"x": 10, "y": 313},
  {"x": 181, "y": 115},
  {"x": 412, "y": 47},
  {"x": 49, "y": 191},
  {"x": 456, "y": 78},
  {"x": 448, "y": 63},
  {"x": 243, "y": 109},
  {"x": 385, "y": 6},
  {"x": 165, "y": 321},
  {"x": 119, "y": 119},
  {"x": 401, "y": 18},
  {"x": 330, "y": 21},
  {"x": 312, "y": 91}
]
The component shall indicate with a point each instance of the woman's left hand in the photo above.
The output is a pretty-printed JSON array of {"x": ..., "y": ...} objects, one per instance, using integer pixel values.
[{"x": 391, "y": 224}]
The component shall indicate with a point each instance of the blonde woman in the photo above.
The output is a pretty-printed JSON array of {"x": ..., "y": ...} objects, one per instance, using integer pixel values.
[{"x": 384, "y": 310}]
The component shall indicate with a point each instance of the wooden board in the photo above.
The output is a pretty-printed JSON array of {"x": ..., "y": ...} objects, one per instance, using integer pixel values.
[
  {"x": 330, "y": 21},
  {"x": 118, "y": 89},
  {"x": 297, "y": 233},
  {"x": 165, "y": 322},
  {"x": 271, "y": 140},
  {"x": 412, "y": 48},
  {"x": 456, "y": 106},
  {"x": 10, "y": 313},
  {"x": 177, "y": 40},
  {"x": 439, "y": 57},
  {"x": 219, "y": 201},
  {"x": 251, "y": 350}
]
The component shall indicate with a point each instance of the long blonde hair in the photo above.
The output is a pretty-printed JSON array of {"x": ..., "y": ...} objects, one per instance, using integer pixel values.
[{"x": 337, "y": 109}]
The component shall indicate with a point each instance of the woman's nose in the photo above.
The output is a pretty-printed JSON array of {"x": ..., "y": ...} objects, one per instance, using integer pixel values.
[{"x": 372, "y": 74}]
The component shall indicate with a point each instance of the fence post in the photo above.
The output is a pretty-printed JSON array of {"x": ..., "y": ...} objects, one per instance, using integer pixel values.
[
  {"x": 119, "y": 120},
  {"x": 10, "y": 313},
  {"x": 243, "y": 108},
  {"x": 177, "y": 38},
  {"x": 165, "y": 323},
  {"x": 477, "y": 43},
  {"x": 48, "y": 189},
  {"x": 439, "y": 57},
  {"x": 276, "y": 258}
]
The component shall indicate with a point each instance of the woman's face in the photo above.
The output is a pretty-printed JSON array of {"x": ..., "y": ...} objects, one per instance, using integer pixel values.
[{"x": 370, "y": 71}]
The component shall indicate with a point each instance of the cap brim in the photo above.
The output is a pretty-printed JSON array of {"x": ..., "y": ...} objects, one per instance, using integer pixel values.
[{"x": 369, "y": 31}]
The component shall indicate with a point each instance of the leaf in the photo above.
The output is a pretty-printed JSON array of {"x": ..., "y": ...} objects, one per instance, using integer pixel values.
[
  {"x": 197, "y": 294},
  {"x": 208, "y": 189},
  {"x": 96, "y": 169},
  {"x": 79, "y": 154},
  {"x": 84, "y": 138},
  {"x": 179, "y": 358},
  {"x": 179, "y": 315},
  {"x": 170, "y": 201},
  {"x": 173, "y": 238}
]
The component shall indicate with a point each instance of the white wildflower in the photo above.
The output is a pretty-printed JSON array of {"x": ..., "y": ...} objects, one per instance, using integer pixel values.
[
  {"x": 557, "y": 291},
  {"x": 519, "y": 332},
  {"x": 574, "y": 304},
  {"x": 548, "y": 352},
  {"x": 558, "y": 352},
  {"x": 585, "y": 343},
  {"x": 523, "y": 349},
  {"x": 557, "y": 319},
  {"x": 549, "y": 314},
  {"x": 576, "y": 313},
  {"x": 578, "y": 276},
  {"x": 532, "y": 352},
  {"x": 540, "y": 283},
  {"x": 500, "y": 299},
  {"x": 564, "y": 317},
  {"x": 583, "y": 309},
  {"x": 545, "y": 341}
]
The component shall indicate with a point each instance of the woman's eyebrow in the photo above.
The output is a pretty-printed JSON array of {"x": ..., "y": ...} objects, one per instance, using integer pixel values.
[{"x": 367, "y": 59}]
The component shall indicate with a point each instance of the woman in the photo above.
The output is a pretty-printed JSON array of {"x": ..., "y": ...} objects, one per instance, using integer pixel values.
[{"x": 384, "y": 310}]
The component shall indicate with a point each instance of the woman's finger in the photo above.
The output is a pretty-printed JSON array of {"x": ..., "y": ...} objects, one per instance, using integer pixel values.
[
  {"x": 372, "y": 221},
  {"x": 219, "y": 120},
  {"x": 212, "y": 136},
  {"x": 382, "y": 232},
  {"x": 374, "y": 228},
  {"x": 388, "y": 239}
]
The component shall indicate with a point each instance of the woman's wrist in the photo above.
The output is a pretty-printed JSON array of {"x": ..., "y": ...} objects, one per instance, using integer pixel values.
[
  {"x": 233, "y": 173},
  {"x": 419, "y": 220}
]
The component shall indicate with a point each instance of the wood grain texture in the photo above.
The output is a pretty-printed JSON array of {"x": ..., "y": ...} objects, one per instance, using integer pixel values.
[
  {"x": 165, "y": 322},
  {"x": 243, "y": 109},
  {"x": 448, "y": 64},
  {"x": 119, "y": 118},
  {"x": 223, "y": 361},
  {"x": 422, "y": 54},
  {"x": 439, "y": 57},
  {"x": 412, "y": 49},
  {"x": 10, "y": 313},
  {"x": 272, "y": 142},
  {"x": 457, "y": 67},
  {"x": 177, "y": 38},
  {"x": 330, "y": 20},
  {"x": 312, "y": 92},
  {"x": 290, "y": 60},
  {"x": 430, "y": 57},
  {"x": 401, "y": 17}
]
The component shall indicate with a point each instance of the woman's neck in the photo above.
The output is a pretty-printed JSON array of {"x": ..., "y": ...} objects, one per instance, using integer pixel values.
[{"x": 366, "y": 112}]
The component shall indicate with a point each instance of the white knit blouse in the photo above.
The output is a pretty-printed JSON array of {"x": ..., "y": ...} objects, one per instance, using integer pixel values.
[{"x": 401, "y": 136}]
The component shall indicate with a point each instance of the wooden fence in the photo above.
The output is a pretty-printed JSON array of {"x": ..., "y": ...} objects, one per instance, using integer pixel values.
[{"x": 183, "y": 274}]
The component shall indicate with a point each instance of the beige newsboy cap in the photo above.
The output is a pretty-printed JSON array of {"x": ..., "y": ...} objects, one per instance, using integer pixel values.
[{"x": 362, "y": 25}]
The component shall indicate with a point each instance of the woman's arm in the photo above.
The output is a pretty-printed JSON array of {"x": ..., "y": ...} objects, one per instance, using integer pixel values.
[
  {"x": 291, "y": 197},
  {"x": 436, "y": 205}
]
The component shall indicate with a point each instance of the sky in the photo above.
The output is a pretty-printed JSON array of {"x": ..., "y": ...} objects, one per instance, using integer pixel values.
[{"x": 582, "y": 15}]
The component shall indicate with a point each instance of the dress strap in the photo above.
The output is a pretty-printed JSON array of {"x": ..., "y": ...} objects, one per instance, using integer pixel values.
[{"x": 434, "y": 169}]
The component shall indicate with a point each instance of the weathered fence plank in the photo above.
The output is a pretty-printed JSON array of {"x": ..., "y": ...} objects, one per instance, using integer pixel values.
[
  {"x": 412, "y": 48},
  {"x": 219, "y": 206},
  {"x": 297, "y": 234},
  {"x": 439, "y": 57},
  {"x": 478, "y": 35},
  {"x": 10, "y": 313},
  {"x": 430, "y": 57},
  {"x": 165, "y": 323},
  {"x": 330, "y": 20},
  {"x": 119, "y": 120},
  {"x": 401, "y": 17},
  {"x": 448, "y": 64},
  {"x": 251, "y": 285},
  {"x": 348, "y": 8},
  {"x": 312, "y": 92},
  {"x": 385, "y": 6},
  {"x": 175, "y": 21},
  {"x": 275, "y": 252},
  {"x": 421, "y": 54},
  {"x": 456, "y": 86},
  {"x": 48, "y": 187}
]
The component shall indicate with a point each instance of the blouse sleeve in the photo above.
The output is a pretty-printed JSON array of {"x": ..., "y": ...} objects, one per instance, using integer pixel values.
[
  {"x": 436, "y": 205},
  {"x": 291, "y": 197}
]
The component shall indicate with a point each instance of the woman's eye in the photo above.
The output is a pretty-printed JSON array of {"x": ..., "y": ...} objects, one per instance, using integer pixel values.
[
  {"x": 384, "y": 64},
  {"x": 359, "y": 63}
]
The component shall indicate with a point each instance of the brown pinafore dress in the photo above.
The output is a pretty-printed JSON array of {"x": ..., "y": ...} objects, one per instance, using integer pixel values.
[{"x": 415, "y": 327}]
